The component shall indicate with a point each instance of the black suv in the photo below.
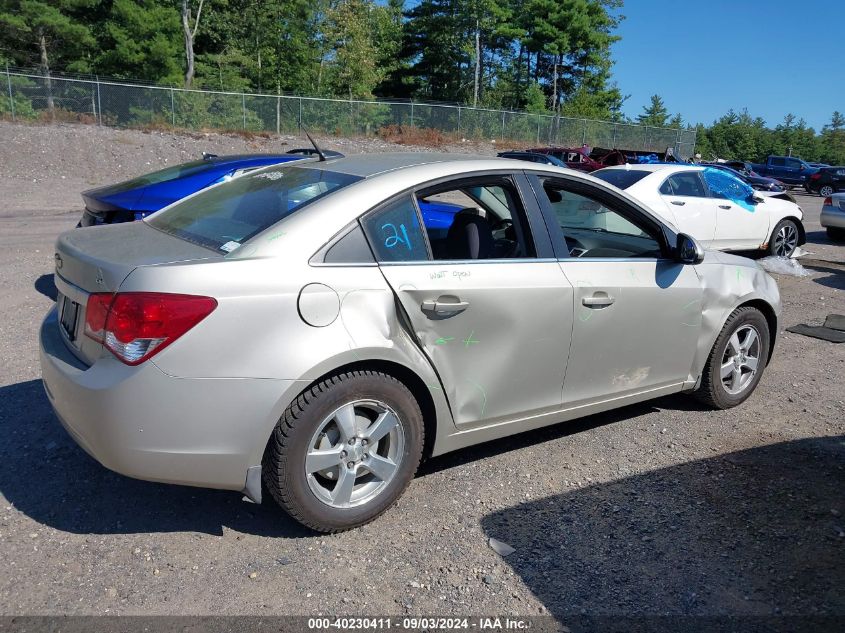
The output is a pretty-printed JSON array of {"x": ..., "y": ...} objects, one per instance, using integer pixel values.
[{"x": 826, "y": 181}]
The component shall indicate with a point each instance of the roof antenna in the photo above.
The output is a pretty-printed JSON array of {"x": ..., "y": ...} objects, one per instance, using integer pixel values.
[{"x": 316, "y": 147}]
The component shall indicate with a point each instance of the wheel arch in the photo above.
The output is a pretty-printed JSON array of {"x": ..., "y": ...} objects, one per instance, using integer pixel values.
[
  {"x": 408, "y": 377},
  {"x": 771, "y": 319}
]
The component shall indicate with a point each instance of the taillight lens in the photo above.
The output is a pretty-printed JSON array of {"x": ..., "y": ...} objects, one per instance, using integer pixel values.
[
  {"x": 135, "y": 326},
  {"x": 815, "y": 176},
  {"x": 828, "y": 201}
]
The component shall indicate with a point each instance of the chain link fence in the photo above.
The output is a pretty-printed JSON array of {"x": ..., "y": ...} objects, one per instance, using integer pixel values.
[{"x": 32, "y": 96}]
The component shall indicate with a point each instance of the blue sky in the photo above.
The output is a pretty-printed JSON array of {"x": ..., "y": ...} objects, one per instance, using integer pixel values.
[{"x": 702, "y": 58}]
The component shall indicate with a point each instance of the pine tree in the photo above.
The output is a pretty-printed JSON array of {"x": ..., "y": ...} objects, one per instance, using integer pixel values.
[{"x": 655, "y": 113}]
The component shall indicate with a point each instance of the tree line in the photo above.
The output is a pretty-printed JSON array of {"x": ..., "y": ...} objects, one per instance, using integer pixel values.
[{"x": 542, "y": 56}]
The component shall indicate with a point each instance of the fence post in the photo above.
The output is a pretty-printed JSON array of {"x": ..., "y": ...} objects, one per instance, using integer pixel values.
[
  {"x": 412, "y": 114},
  {"x": 459, "y": 120},
  {"x": 538, "y": 129},
  {"x": 613, "y": 145},
  {"x": 300, "y": 116},
  {"x": 584, "y": 134},
  {"x": 11, "y": 98},
  {"x": 172, "y": 109},
  {"x": 99, "y": 103},
  {"x": 503, "y": 125},
  {"x": 243, "y": 107},
  {"x": 278, "y": 112}
]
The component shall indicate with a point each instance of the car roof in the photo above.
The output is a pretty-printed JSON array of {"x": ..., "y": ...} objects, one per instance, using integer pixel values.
[{"x": 367, "y": 165}]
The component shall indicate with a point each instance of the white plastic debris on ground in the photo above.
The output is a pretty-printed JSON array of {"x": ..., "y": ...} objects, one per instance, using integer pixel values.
[
  {"x": 783, "y": 266},
  {"x": 501, "y": 548}
]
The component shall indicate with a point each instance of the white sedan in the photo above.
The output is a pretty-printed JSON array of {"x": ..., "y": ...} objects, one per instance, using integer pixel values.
[{"x": 717, "y": 209}]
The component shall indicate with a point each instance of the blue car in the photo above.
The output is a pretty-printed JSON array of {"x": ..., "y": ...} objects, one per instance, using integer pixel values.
[{"x": 137, "y": 198}]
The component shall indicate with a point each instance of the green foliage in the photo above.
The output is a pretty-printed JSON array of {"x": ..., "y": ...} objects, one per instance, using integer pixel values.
[
  {"x": 655, "y": 113},
  {"x": 141, "y": 39}
]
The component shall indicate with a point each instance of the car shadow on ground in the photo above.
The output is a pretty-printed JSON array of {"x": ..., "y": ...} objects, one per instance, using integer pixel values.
[
  {"x": 623, "y": 415},
  {"x": 755, "y": 532},
  {"x": 53, "y": 481},
  {"x": 46, "y": 285},
  {"x": 835, "y": 278}
]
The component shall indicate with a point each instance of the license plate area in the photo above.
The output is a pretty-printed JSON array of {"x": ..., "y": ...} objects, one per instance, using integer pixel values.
[{"x": 68, "y": 317}]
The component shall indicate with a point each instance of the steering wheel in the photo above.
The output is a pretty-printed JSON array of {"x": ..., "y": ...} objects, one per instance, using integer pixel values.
[{"x": 502, "y": 224}]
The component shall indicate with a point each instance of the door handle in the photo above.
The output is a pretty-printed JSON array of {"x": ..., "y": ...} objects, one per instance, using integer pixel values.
[
  {"x": 724, "y": 206},
  {"x": 444, "y": 308},
  {"x": 678, "y": 203},
  {"x": 598, "y": 300}
]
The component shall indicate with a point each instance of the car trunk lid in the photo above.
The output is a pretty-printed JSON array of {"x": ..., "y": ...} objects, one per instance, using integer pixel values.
[{"x": 98, "y": 260}]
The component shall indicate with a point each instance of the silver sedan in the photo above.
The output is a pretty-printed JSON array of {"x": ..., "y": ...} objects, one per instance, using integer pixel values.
[{"x": 325, "y": 325}]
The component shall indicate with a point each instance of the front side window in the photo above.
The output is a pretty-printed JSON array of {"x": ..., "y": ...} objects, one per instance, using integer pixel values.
[
  {"x": 793, "y": 164},
  {"x": 726, "y": 186},
  {"x": 777, "y": 162},
  {"x": 226, "y": 216},
  {"x": 592, "y": 229},
  {"x": 394, "y": 232},
  {"x": 686, "y": 183}
]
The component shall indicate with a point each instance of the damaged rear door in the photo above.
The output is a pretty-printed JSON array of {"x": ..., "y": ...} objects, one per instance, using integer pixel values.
[{"x": 496, "y": 329}]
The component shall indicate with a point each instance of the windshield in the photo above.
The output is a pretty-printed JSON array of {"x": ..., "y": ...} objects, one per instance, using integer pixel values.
[
  {"x": 622, "y": 178},
  {"x": 226, "y": 216}
]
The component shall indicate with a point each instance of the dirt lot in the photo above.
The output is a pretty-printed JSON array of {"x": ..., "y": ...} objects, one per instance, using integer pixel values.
[{"x": 659, "y": 508}]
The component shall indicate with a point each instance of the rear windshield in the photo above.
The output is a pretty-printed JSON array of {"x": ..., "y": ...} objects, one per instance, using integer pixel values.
[
  {"x": 164, "y": 175},
  {"x": 622, "y": 178},
  {"x": 226, "y": 216}
]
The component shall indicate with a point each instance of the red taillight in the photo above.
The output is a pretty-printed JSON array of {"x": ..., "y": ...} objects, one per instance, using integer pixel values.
[
  {"x": 815, "y": 176},
  {"x": 135, "y": 326},
  {"x": 828, "y": 201}
]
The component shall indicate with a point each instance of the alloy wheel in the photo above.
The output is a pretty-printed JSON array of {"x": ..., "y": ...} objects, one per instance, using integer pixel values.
[
  {"x": 354, "y": 453},
  {"x": 825, "y": 191},
  {"x": 740, "y": 359},
  {"x": 786, "y": 240}
]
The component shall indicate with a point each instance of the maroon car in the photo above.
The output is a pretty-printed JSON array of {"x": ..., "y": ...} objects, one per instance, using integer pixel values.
[{"x": 584, "y": 158}]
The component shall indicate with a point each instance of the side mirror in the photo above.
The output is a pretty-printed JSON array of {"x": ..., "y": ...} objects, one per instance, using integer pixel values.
[
  {"x": 757, "y": 198},
  {"x": 688, "y": 251}
]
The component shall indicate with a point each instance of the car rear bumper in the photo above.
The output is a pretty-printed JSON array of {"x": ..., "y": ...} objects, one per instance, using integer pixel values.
[
  {"x": 143, "y": 423},
  {"x": 832, "y": 216}
]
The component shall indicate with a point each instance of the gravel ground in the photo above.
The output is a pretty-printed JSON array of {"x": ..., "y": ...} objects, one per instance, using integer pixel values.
[{"x": 659, "y": 508}]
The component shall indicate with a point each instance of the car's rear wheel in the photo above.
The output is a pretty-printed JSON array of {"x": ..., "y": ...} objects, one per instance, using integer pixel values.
[
  {"x": 784, "y": 239},
  {"x": 345, "y": 450},
  {"x": 836, "y": 233},
  {"x": 737, "y": 360},
  {"x": 826, "y": 190}
]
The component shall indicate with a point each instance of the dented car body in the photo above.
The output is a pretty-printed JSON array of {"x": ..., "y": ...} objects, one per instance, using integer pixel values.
[{"x": 218, "y": 341}]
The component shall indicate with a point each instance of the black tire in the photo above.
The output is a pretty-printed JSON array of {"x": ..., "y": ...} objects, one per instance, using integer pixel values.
[
  {"x": 283, "y": 467},
  {"x": 712, "y": 391},
  {"x": 772, "y": 250},
  {"x": 835, "y": 233},
  {"x": 830, "y": 189}
]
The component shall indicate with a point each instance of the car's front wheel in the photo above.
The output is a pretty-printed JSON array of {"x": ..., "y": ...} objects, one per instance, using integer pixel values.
[
  {"x": 784, "y": 239},
  {"x": 345, "y": 450},
  {"x": 826, "y": 190},
  {"x": 737, "y": 360}
]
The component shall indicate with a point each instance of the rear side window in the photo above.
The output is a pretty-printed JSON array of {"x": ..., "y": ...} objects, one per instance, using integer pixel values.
[
  {"x": 687, "y": 183},
  {"x": 777, "y": 162},
  {"x": 395, "y": 234},
  {"x": 622, "y": 178},
  {"x": 226, "y": 216}
]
